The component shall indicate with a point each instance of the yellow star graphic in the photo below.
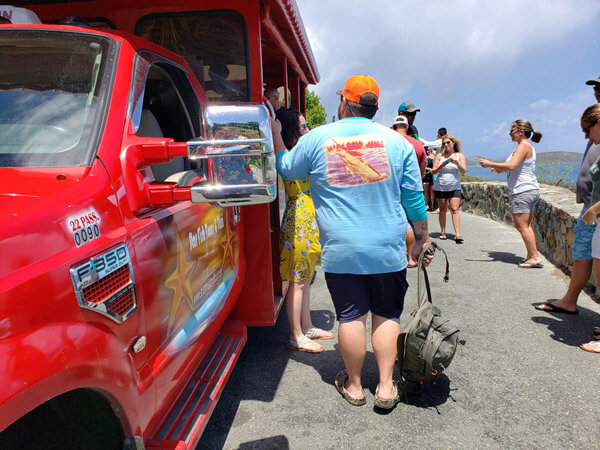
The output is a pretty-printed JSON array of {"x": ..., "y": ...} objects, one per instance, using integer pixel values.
[
  {"x": 179, "y": 281},
  {"x": 227, "y": 244}
]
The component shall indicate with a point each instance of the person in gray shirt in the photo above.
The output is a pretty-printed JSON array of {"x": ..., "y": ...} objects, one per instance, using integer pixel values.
[{"x": 582, "y": 245}]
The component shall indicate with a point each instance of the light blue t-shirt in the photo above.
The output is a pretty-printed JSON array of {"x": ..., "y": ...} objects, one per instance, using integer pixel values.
[{"x": 356, "y": 170}]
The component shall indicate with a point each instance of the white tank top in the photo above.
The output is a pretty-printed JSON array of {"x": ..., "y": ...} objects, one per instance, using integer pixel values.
[
  {"x": 448, "y": 177},
  {"x": 522, "y": 178}
]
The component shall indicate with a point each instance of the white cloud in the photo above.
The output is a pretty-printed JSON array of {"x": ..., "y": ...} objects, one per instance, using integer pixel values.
[
  {"x": 440, "y": 45},
  {"x": 540, "y": 104}
]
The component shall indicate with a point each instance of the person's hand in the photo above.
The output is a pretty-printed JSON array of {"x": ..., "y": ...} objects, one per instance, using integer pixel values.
[
  {"x": 495, "y": 171},
  {"x": 418, "y": 248},
  {"x": 589, "y": 217},
  {"x": 484, "y": 163},
  {"x": 275, "y": 126}
]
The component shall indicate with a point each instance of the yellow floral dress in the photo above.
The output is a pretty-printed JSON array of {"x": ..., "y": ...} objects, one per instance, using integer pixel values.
[{"x": 299, "y": 239}]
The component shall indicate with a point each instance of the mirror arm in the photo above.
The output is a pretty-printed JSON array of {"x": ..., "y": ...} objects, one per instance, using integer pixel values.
[
  {"x": 165, "y": 194},
  {"x": 163, "y": 151}
]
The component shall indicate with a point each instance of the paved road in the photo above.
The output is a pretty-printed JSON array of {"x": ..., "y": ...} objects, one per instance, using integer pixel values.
[{"x": 520, "y": 380}]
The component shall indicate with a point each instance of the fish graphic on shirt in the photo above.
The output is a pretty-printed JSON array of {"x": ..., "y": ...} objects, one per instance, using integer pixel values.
[{"x": 356, "y": 160}]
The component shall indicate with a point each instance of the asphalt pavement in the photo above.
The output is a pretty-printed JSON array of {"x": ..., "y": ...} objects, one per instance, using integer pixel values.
[{"x": 520, "y": 381}]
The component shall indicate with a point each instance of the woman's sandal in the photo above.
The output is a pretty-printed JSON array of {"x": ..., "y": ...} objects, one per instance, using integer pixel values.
[
  {"x": 304, "y": 344},
  {"x": 592, "y": 347},
  {"x": 443, "y": 236},
  {"x": 317, "y": 333},
  {"x": 459, "y": 239},
  {"x": 387, "y": 404},
  {"x": 531, "y": 265},
  {"x": 340, "y": 385}
]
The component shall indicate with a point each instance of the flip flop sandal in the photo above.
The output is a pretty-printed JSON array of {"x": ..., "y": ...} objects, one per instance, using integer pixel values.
[
  {"x": 443, "y": 237},
  {"x": 389, "y": 403},
  {"x": 303, "y": 344},
  {"x": 317, "y": 333},
  {"x": 459, "y": 239},
  {"x": 592, "y": 347},
  {"x": 549, "y": 307},
  {"x": 530, "y": 265},
  {"x": 340, "y": 385}
]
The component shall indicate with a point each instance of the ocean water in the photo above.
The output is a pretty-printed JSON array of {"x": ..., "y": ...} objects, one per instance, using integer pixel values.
[{"x": 567, "y": 171}]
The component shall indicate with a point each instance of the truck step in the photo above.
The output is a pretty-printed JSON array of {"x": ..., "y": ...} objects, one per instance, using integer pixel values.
[{"x": 185, "y": 423}]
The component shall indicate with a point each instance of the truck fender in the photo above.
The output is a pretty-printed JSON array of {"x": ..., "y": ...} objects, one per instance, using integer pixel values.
[{"x": 54, "y": 359}]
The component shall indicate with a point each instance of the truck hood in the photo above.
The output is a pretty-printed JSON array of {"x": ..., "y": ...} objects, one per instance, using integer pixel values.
[
  {"x": 44, "y": 211},
  {"x": 23, "y": 190}
]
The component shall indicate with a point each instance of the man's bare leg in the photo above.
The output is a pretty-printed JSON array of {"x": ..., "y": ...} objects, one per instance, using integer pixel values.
[
  {"x": 384, "y": 338},
  {"x": 352, "y": 337}
]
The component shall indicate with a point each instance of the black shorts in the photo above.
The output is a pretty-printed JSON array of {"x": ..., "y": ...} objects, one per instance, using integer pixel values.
[
  {"x": 355, "y": 295},
  {"x": 447, "y": 194}
]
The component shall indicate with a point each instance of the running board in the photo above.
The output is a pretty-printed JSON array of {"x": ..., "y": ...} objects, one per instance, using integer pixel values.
[{"x": 185, "y": 423}]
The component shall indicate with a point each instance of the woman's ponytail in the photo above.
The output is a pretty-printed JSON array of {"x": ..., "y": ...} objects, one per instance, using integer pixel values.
[{"x": 536, "y": 136}]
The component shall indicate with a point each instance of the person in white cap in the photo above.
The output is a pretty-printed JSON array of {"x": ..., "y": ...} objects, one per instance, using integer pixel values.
[
  {"x": 18, "y": 15},
  {"x": 400, "y": 126}
]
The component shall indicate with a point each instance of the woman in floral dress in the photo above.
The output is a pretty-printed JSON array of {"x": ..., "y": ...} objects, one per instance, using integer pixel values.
[{"x": 299, "y": 245}]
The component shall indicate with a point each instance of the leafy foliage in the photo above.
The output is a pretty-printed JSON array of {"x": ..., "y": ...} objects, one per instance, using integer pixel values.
[
  {"x": 552, "y": 173},
  {"x": 315, "y": 112}
]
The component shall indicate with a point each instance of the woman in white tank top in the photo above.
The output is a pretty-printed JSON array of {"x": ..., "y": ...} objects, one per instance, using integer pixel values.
[
  {"x": 449, "y": 164},
  {"x": 523, "y": 185}
]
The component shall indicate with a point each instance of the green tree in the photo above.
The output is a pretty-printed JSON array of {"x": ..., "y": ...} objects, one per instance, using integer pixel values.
[{"x": 315, "y": 112}]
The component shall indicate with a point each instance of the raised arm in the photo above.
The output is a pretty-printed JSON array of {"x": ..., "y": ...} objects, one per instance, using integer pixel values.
[
  {"x": 461, "y": 163},
  {"x": 522, "y": 151},
  {"x": 438, "y": 164}
]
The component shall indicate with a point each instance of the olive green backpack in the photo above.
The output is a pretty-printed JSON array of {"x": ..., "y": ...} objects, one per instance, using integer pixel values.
[{"x": 429, "y": 342}]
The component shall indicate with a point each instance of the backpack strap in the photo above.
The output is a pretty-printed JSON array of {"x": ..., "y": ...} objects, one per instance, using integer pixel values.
[{"x": 430, "y": 248}]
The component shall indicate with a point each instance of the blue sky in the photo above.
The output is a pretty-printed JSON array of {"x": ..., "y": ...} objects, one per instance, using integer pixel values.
[{"x": 472, "y": 66}]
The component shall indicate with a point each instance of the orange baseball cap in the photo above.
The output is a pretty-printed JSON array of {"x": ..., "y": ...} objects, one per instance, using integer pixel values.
[{"x": 358, "y": 85}]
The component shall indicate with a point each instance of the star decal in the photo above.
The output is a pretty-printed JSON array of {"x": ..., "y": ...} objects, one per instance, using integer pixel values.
[
  {"x": 227, "y": 244},
  {"x": 179, "y": 281}
]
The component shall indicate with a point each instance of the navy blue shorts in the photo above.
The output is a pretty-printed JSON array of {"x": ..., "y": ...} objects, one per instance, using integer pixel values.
[{"x": 355, "y": 295}]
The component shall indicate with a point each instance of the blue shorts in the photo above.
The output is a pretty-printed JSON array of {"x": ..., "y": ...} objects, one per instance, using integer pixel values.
[
  {"x": 583, "y": 233},
  {"x": 355, "y": 295}
]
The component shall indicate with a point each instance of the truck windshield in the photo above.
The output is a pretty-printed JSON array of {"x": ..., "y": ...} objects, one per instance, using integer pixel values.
[{"x": 53, "y": 88}]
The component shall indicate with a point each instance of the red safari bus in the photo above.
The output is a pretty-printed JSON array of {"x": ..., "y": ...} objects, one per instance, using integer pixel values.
[{"x": 138, "y": 232}]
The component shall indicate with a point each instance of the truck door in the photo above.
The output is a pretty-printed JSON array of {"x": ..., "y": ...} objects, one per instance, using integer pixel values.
[{"x": 188, "y": 253}]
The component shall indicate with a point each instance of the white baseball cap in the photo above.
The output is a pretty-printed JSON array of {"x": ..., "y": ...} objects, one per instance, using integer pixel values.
[
  {"x": 18, "y": 15},
  {"x": 400, "y": 120}
]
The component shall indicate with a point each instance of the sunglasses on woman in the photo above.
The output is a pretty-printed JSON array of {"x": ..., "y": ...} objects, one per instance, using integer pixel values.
[
  {"x": 304, "y": 126},
  {"x": 587, "y": 129}
]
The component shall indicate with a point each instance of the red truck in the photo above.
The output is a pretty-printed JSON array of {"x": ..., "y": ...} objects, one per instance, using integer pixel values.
[{"x": 138, "y": 236}]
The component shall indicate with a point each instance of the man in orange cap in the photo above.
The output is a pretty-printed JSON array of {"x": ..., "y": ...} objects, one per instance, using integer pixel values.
[{"x": 365, "y": 182}]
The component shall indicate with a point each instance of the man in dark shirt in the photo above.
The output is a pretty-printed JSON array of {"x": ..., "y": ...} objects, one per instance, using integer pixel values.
[{"x": 409, "y": 110}]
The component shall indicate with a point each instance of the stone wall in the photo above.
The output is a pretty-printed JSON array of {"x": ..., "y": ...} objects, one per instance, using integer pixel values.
[{"x": 553, "y": 222}]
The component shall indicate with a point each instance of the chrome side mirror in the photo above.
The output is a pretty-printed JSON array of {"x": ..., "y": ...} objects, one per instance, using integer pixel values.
[{"x": 240, "y": 157}]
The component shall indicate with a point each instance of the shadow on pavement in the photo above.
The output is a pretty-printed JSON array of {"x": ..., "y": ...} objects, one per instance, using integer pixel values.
[
  {"x": 494, "y": 256},
  {"x": 265, "y": 350},
  {"x": 276, "y": 443},
  {"x": 568, "y": 329},
  {"x": 433, "y": 393}
]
